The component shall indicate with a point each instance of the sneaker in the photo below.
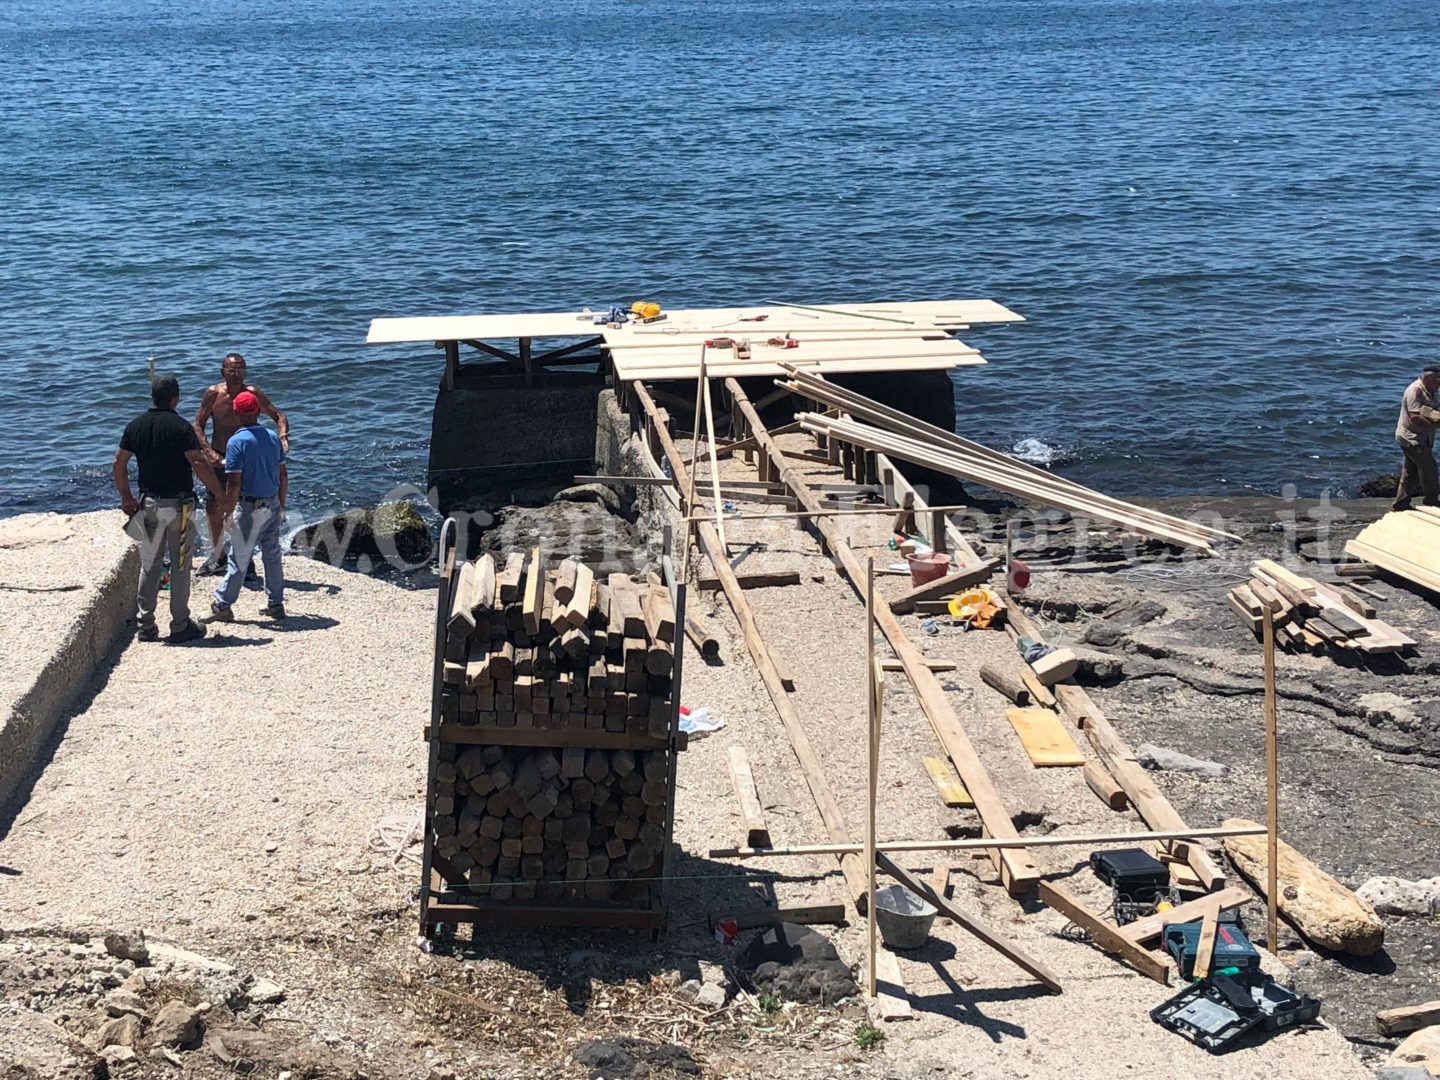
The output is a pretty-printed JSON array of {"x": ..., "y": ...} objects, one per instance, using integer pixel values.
[
  {"x": 274, "y": 611},
  {"x": 148, "y": 633},
  {"x": 211, "y": 567},
  {"x": 191, "y": 631},
  {"x": 218, "y": 614}
]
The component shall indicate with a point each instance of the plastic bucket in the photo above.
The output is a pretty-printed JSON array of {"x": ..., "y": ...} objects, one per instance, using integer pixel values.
[
  {"x": 927, "y": 567},
  {"x": 903, "y": 919}
]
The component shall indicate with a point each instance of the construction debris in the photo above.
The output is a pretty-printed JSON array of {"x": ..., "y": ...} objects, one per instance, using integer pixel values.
[{"x": 1313, "y": 616}]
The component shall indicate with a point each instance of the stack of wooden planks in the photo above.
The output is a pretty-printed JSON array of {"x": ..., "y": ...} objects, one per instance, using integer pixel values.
[
  {"x": 1405, "y": 543},
  {"x": 869, "y": 424},
  {"x": 527, "y": 648},
  {"x": 1312, "y": 616}
]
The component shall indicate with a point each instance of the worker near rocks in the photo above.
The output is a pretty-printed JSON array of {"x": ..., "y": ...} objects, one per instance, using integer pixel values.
[
  {"x": 1419, "y": 418},
  {"x": 217, "y": 407},
  {"x": 256, "y": 486},
  {"x": 168, "y": 457}
]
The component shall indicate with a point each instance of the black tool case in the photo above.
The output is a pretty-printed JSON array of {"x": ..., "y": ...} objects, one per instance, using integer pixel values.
[
  {"x": 1218, "y": 1013},
  {"x": 1131, "y": 872}
]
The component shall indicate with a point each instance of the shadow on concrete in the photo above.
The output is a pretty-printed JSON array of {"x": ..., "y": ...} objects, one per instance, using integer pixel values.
[
  {"x": 13, "y": 802},
  {"x": 962, "y": 1005},
  {"x": 298, "y": 624},
  {"x": 213, "y": 640}
]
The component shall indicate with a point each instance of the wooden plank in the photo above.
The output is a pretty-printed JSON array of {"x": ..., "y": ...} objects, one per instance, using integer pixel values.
[
  {"x": 462, "y": 604},
  {"x": 1408, "y": 1018},
  {"x": 1044, "y": 739},
  {"x": 1104, "y": 935},
  {"x": 951, "y": 791},
  {"x": 1017, "y": 871},
  {"x": 801, "y": 915},
  {"x": 944, "y": 586},
  {"x": 892, "y": 1000},
  {"x": 933, "y": 665},
  {"x": 1041, "y": 693},
  {"x": 969, "y": 923},
  {"x": 1104, "y": 786},
  {"x": 533, "y": 606},
  {"x": 1275, "y": 572},
  {"x": 760, "y": 580},
  {"x": 1205, "y": 950},
  {"x": 703, "y": 640},
  {"x": 582, "y": 598},
  {"x": 1152, "y": 926},
  {"x": 752, "y": 814}
]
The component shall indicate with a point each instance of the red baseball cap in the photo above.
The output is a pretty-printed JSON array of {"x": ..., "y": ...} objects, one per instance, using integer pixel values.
[{"x": 247, "y": 403}]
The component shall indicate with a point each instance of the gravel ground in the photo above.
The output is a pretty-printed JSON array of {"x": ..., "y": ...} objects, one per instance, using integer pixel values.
[{"x": 223, "y": 796}]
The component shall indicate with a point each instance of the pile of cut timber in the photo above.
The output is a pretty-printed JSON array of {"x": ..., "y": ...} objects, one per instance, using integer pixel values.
[
  {"x": 1405, "y": 543},
  {"x": 869, "y": 424},
  {"x": 554, "y": 768},
  {"x": 526, "y": 648},
  {"x": 1311, "y": 616},
  {"x": 521, "y": 823}
]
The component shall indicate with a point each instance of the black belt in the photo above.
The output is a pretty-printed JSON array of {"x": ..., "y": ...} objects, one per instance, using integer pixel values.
[
  {"x": 253, "y": 501},
  {"x": 184, "y": 496}
]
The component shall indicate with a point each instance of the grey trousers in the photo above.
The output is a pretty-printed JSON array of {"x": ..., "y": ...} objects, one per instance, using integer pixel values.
[
  {"x": 1417, "y": 476},
  {"x": 169, "y": 528}
]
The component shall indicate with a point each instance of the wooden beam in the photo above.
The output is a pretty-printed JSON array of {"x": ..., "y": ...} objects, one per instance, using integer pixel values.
[
  {"x": 1408, "y": 1018},
  {"x": 988, "y": 843},
  {"x": 804, "y": 915},
  {"x": 970, "y": 924},
  {"x": 533, "y": 606},
  {"x": 752, "y": 815},
  {"x": 1152, "y": 926},
  {"x": 1012, "y": 688},
  {"x": 809, "y": 761},
  {"x": 944, "y": 586},
  {"x": 819, "y": 511},
  {"x": 1104, "y": 786},
  {"x": 933, "y": 665},
  {"x": 892, "y": 1000},
  {"x": 768, "y": 580},
  {"x": 1017, "y": 871},
  {"x": 1105, "y": 936},
  {"x": 702, "y": 638},
  {"x": 1205, "y": 949}
]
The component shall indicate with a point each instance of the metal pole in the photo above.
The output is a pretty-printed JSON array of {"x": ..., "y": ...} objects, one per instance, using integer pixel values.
[{"x": 1272, "y": 787}]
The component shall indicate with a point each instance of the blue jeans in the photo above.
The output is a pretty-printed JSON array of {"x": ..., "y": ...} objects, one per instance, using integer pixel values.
[{"x": 256, "y": 523}]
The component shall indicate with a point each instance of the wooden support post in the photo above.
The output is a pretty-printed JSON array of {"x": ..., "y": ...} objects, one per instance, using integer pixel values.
[
  {"x": 810, "y": 766},
  {"x": 873, "y": 691},
  {"x": 937, "y": 531},
  {"x": 452, "y": 364},
  {"x": 1103, "y": 934},
  {"x": 1205, "y": 949},
  {"x": 1272, "y": 791},
  {"x": 1017, "y": 870},
  {"x": 525, "y": 361}
]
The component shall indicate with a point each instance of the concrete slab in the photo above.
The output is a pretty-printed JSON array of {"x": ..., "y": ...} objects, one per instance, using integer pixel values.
[{"x": 67, "y": 587}]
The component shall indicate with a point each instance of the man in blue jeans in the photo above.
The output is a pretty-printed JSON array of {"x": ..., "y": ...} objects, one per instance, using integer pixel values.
[{"x": 255, "y": 491}]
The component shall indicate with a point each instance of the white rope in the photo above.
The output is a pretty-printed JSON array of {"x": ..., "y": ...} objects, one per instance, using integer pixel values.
[{"x": 400, "y": 837}]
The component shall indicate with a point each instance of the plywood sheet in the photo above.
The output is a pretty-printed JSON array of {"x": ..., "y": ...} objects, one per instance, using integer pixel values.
[
  {"x": 633, "y": 370},
  {"x": 951, "y": 791},
  {"x": 1044, "y": 738}
]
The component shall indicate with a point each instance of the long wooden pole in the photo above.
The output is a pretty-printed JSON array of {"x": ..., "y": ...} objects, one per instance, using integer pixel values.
[
  {"x": 694, "y": 456},
  {"x": 810, "y": 766},
  {"x": 714, "y": 468},
  {"x": 872, "y": 714},
  {"x": 849, "y": 511},
  {"x": 988, "y": 843},
  {"x": 1272, "y": 790},
  {"x": 1017, "y": 871}
]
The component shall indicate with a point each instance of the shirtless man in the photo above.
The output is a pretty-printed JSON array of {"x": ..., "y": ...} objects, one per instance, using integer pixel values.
[{"x": 216, "y": 405}]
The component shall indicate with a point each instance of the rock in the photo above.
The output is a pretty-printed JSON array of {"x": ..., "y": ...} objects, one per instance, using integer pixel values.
[
  {"x": 45, "y": 1049},
  {"x": 37, "y": 530},
  {"x": 1397, "y": 896},
  {"x": 122, "y": 1002},
  {"x": 1384, "y": 486},
  {"x": 177, "y": 1024},
  {"x": 688, "y": 990},
  {"x": 1324, "y": 911},
  {"x": 439, "y": 1072},
  {"x": 591, "y": 493},
  {"x": 1421, "y": 1049},
  {"x": 1158, "y": 757},
  {"x": 116, "y": 1056},
  {"x": 586, "y": 962},
  {"x": 128, "y": 945},
  {"x": 797, "y": 964},
  {"x": 265, "y": 992},
  {"x": 711, "y": 996},
  {"x": 187, "y": 959},
  {"x": 615, "y": 1059},
  {"x": 390, "y": 531},
  {"x": 1404, "y": 1072},
  {"x": 122, "y": 1031},
  {"x": 235, "y": 1045}
]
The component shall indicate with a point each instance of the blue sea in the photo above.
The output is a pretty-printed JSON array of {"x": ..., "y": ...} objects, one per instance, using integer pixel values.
[{"x": 1221, "y": 219}]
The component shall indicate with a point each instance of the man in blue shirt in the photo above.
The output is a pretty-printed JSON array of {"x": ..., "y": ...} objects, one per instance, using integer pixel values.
[{"x": 255, "y": 491}]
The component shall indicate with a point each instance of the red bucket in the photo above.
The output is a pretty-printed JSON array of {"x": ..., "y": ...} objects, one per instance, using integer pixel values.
[{"x": 927, "y": 567}]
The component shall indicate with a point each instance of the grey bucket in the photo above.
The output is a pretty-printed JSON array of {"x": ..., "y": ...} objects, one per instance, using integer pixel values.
[{"x": 904, "y": 920}]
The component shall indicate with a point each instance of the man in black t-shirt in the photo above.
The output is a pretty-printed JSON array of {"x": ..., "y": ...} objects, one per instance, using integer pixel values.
[{"x": 166, "y": 450}]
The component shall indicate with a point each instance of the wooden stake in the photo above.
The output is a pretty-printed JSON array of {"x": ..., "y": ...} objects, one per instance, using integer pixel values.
[
  {"x": 1205, "y": 950},
  {"x": 872, "y": 693},
  {"x": 1272, "y": 789}
]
